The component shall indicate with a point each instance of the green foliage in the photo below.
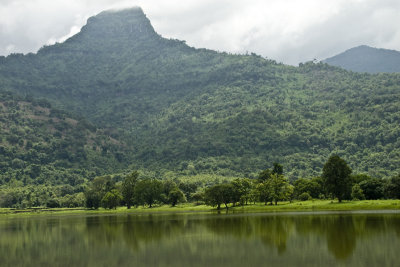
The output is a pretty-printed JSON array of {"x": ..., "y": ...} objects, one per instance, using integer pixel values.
[
  {"x": 196, "y": 111},
  {"x": 176, "y": 196},
  {"x": 313, "y": 187},
  {"x": 336, "y": 177},
  {"x": 304, "y": 196},
  {"x": 198, "y": 197},
  {"x": 393, "y": 187},
  {"x": 373, "y": 188},
  {"x": 148, "y": 191},
  {"x": 279, "y": 187},
  {"x": 241, "y": 190},
  {"x": 128, "y": 188},
  {"x": 111, "y": 199},
  {"x": 357, "y": 193},
  {"x": 277, "y": 169},
  {"x": 42, "y": 145},
  {"x": 219, "y": 194},
  {"x": 96, "y": 191},
  {"x": 264, "y": 175}
]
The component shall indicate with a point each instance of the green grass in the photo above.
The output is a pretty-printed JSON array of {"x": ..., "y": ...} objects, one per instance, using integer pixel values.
[
  {"x": 311, "y": 205},
  {"x": 323, "y": 205}
]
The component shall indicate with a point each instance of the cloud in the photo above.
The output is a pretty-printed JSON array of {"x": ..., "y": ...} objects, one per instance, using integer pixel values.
[{"x": 289, "y": 31}]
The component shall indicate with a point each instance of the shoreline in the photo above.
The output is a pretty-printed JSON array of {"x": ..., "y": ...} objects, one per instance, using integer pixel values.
[{"x": 282, "y": 207}]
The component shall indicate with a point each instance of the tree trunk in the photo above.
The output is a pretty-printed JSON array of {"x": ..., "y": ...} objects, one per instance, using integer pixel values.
[{"x": 219, "y": 206}]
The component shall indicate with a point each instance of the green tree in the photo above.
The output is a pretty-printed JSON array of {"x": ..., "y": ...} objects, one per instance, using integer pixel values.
[
  {"x": 372, "y": 188},
  {"x": 96, "y": 191},
  {"x": 241, "y": 190},
  {"x": 311, "y": 186},
  {"x": 263, "y": 192},
  {"x": 148, "y": 191},
  {"x": 393, "y": 187},
  {"x": 111, "y": 199},
  {"x": 176, "y": 196},
  {"x": 279, "y": 187},
  {"x": 92, "y": 199},
  {"x": 219, "y": 194},
  {"x": 264, "y": 175},
  {"x": 198, "y": 197},
  {"x": 128, "y": 188},
  {"x": 277, "y": 169},
  {"x": 357, "y": 192},
  {"x": 336, "y": 177}
]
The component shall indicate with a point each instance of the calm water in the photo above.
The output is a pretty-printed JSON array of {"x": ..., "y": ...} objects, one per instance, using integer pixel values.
[{"x": 202, "y": 240}]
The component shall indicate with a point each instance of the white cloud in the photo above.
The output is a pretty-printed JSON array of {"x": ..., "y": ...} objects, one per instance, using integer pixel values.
[{"x": 290, "y": 31}]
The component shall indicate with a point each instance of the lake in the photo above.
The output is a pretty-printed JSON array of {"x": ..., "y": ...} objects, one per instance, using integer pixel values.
[{"x": 280, "y": 239}]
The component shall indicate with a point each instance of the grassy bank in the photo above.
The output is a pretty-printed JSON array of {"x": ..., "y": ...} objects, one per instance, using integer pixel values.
[{"x": 312, "y": 205}]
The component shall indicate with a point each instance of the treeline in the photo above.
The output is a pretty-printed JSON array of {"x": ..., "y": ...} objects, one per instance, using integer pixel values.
[{"x": 270, "y": 187}]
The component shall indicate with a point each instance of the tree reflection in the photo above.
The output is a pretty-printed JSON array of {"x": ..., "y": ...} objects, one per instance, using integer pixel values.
[
  {"x": 82, "y": 239},
  {"x": 341, "y": 236}
]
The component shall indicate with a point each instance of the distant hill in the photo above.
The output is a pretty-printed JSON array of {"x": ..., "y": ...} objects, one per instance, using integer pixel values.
[
  {"x": 192, "y": 111},
  {"x": 367, "y": 59}
]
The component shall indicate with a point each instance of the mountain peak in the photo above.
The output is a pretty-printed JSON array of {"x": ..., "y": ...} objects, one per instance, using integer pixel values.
[
  {"x": 111, "y": 29},
  {"x": 130, "y": 21},
  {"x": 364, "y": 58}
]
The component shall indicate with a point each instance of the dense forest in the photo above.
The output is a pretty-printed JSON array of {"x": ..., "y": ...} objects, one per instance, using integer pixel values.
[
  {"x": 136, "y": 100},
  {"x": 270, "y": 187}
]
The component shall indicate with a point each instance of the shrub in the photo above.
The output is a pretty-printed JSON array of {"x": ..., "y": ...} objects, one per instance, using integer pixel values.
[{"x": 305, "y": 196}]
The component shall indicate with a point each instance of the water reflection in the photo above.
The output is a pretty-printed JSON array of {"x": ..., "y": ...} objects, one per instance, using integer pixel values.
[{"x": 248, "y": 239}]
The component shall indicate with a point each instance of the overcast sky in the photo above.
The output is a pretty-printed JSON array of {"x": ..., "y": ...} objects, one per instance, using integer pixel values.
[{"x": 289, "y": 31}]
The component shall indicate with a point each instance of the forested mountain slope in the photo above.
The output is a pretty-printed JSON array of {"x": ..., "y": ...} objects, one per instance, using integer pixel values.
[
  {"x": 367, "y": 59},
  {"x": 43, "y": 145},
  {"x": 196, "y": 110}
]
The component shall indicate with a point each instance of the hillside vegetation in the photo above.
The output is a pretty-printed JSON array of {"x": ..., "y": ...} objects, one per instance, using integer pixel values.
[
  {"x": 43, "y": 145},
  {"x": 194, "y": 111}
]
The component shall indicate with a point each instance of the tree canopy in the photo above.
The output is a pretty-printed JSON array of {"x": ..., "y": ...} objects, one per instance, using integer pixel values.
[{"x": 336, "y": 176}]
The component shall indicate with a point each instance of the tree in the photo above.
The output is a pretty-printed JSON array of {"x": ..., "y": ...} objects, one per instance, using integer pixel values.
[
  {"x": 175, "y": 196},
  {"x": 264, "y": 175},
  {"x": 280, "y": 189},
  {"x": 357, "y": 192},
  {"x": 263, "y": 192},
  {"x": 96, "y": 191},
  {"x": 311, "y": 186},
  {"x": 148, "y": 191},
  {"x": 336, "y": 177},
  {"x": 372, "y": 188},
  {"x": 241, "y": 190},
  {"x": 393, "y": 187},
  {"x": 111, "y": 199},
  {"x": 92, "y": 199},
  {"x": 218, "y": 194},
  {"x": 277, "y": 169},
  {"x": 197, "y": 197},
  {"x": 128, "y": 188}
]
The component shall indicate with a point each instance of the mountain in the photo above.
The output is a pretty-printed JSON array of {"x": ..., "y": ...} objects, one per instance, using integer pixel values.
[
  {"x": 367, "y": 59},
  {"x": 190, "y": 110},
  {"x": 43, "y": 145}
]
